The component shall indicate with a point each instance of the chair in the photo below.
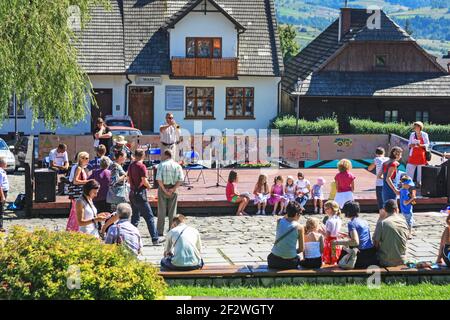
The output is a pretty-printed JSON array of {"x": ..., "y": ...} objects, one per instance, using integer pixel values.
[
  {"x": 46, "y": 162},
  {"x": 191, "y": 159}
]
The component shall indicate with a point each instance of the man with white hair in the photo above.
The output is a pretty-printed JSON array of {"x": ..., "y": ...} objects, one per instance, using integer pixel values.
[
  {"x": 123, "y": 232},
  {"x": 4, "y": 187}
]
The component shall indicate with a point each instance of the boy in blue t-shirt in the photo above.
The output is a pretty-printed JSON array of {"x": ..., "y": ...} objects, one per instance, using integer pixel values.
[{"x": 407, "y": 201}]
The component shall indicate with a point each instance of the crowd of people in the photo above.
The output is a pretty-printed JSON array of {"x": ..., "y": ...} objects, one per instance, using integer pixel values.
[{"x": 108, "y": 200}]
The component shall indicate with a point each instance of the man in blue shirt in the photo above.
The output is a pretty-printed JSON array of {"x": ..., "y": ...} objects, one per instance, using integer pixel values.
[{"x": 123, "y": 232}]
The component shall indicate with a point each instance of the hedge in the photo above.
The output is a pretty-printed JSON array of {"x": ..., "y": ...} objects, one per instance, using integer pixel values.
[
  {"x": 286, "y": 125},
  {"x": 38, "y": 265},
  {"x": 361, "y": 126}
]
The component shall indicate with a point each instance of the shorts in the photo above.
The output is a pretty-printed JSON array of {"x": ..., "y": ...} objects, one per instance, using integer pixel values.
[
  {"x": 409, "y": 219},
  {"x": 342, "y": 197},
  {"x": 234, "y": 199}
]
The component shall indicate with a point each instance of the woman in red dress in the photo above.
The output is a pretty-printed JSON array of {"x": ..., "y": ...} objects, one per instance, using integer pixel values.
[{"x": 418, "y": 144}]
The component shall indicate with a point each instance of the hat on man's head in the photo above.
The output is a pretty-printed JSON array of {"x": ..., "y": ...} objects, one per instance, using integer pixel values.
[{"x": 120, "y": 140}]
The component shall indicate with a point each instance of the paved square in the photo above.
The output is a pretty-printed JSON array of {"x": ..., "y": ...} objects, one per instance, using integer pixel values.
[{"x": 246, "y": 240}]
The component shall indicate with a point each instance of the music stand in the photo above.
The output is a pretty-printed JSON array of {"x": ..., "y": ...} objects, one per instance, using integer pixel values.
[{"x": 218, "y": 176}]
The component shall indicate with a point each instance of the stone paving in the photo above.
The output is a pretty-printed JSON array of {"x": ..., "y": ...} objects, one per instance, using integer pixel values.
[{"x": 245, "y": 240}]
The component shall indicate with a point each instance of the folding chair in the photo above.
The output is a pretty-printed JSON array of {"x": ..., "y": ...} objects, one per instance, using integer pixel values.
[
  {"x": 46, "y": 162},
  {"x": 151, "y": 153},
  {"x": 192, "y": 158}
]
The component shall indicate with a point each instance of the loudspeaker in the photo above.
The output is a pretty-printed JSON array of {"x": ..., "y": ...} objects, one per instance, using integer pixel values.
[
  {"x": 434, "y": 181},
  {"x": 45, "y": 185}
]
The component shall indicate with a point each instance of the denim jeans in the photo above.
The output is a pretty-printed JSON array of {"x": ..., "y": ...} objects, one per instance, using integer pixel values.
[
  {"x": 141, "y": 207},
  {"x": 166, "y": 263},
  {"x": 2, "y": 209},
  {"x": 302, "y": 200}
]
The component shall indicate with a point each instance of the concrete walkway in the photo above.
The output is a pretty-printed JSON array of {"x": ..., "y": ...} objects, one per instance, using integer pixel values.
[{"x": 248, "y": 240}]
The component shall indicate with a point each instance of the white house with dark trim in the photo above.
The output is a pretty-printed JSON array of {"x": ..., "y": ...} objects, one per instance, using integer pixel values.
[{"x": 218, "y": 61}]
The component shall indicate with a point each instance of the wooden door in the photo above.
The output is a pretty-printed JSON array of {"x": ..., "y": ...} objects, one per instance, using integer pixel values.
[
  {"x": 141, "y": 107},
  {"x": 102, "y": 106}
]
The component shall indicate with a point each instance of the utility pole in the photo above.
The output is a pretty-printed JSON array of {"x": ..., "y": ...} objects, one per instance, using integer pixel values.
[{"x": 16, "y": 132}]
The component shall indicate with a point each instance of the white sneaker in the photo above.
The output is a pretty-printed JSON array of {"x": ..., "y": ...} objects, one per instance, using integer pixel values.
[
  {"x": 316, "y": 210},
  {"x": 258, "y": 212},
  {"x": 263, "y": 212}
]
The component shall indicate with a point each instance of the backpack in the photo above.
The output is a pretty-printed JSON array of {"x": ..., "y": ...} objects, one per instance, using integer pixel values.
[{"x": 18, "y": 204}]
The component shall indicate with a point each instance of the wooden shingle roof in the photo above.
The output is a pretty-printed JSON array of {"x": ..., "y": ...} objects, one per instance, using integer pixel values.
[
  {"x": 191, "y": 4},
  {"x": 314, "y": 56},
  {"x": 131, "y": 38},
  {"x": 375, "y": 84}
]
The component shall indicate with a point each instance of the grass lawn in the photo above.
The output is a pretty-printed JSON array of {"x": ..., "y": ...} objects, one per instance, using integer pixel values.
[{"x": 321, "y": 292}]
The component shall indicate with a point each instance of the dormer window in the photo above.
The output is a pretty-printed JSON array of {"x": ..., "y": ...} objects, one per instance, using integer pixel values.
[
  {"x": 380, "y": 61},
  {"x": 204, "y": 48}
]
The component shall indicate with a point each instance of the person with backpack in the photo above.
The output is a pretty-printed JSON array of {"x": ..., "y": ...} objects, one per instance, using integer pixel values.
[
  {"x": 183, "y": 247},
  {"x": 123, "y": 232},
  {"x": 284, "y": 254}
]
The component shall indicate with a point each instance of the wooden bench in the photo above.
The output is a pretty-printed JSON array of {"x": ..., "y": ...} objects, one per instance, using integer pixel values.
[
  {"x": 210, "y": 271},
  {"x": 405, "y": 271},
  {"x": 327, "y": 270},
  {"x": 261, "y": 275}
]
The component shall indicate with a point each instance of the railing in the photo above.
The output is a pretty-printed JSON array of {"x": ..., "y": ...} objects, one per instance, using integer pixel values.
[{"x": 204, "y": 67}]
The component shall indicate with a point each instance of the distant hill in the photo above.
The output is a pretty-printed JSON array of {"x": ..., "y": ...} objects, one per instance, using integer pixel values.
[{"x": 428, "y": 20}]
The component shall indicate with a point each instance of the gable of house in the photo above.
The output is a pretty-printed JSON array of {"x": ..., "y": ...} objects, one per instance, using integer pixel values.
[
  {"x": 349, "y": 45},
  {"x": 132, "y": 38}
]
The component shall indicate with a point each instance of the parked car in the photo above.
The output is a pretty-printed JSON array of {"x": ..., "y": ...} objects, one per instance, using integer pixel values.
[
  {"x": 19, "y": 149},
  {"x": 6, "y": 153},
  {"x": 119, "y": 121},
  {"x": 441, "y": 147},
  {"x": 124, "y": 131}
]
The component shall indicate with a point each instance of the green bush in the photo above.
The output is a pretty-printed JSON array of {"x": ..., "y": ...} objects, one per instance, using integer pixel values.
[
  {"x": 366, "y": 126},
  {"x": 363, "y": 126},
  {"x": 286, "y": 125},
  {"x": 35, "y": 265}
]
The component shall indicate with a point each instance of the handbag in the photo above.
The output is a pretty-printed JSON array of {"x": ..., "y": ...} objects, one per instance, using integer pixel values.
[
  {"x": 74, "y": 191},
  {"x": 118, "y": 192},
  {"x": 349, "y": 260},
  {"x": 428, "y": 155}
]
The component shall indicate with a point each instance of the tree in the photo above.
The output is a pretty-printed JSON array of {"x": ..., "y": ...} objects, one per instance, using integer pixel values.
[
  {"x": 289, "y": 45},
  {"x": 38, "y": 58}
]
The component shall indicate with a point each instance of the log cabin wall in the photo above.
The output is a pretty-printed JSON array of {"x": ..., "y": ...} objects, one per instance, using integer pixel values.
[
  {"x": 401, "y": 57},
  {"x": 374, "y": 108}
]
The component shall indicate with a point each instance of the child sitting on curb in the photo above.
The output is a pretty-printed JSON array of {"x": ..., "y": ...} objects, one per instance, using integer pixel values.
[
  {"x": 261, "y": 193},
  {"x": 314, "y": 245}
]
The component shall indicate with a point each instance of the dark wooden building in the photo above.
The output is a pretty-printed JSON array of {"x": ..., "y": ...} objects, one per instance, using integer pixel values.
[{"x": 380, "y": 73}]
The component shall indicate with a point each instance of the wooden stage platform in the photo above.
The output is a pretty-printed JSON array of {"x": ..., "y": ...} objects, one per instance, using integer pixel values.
[{"x": 204, "y": 196}]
